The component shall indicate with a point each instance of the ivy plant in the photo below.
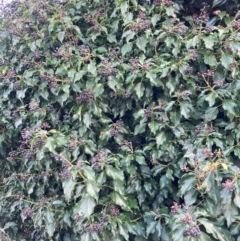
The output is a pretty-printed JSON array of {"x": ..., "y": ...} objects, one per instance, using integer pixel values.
[{"x": 119, "y": 120}]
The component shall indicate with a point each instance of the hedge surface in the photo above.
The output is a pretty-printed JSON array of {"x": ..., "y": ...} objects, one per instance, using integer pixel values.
[{"x": 119, "y": 120}]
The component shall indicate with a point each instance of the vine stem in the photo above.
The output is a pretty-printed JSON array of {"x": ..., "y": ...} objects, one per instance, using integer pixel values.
[{"x": 212, "y": 90}]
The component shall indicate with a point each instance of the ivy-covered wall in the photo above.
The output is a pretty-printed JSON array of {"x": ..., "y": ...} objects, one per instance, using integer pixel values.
[{"x": 119, "y": 120}]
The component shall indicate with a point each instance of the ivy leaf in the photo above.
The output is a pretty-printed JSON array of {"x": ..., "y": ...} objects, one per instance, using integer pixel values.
[
  {"x": 151, "y": 227},
  {"x": 186, "y": 108},
  {"x": 139, "y": 88},
  {"x": 229, "y": 106},
  {"x": 217, "y": 232},
  {"x": 210, "y": 60},
  {"x": 141, "y": 43},
  {"x": 93, "y": 189},
  {"x": 120, "y": 200},
  {"x": 85, "y": 206},
  {"x": 127, "y": 47},
  {"x": 50, "y": 224},
  {"x": 188, "y": 182},
  {"x": 209, "y": 42},
  {"x": 161, "y": 138},
  {"x": 68, "y": 187},
  {"x": 61, "y": 36},
  {"x": 226, "y": 60},
  {"x": 114, "y": 173}
]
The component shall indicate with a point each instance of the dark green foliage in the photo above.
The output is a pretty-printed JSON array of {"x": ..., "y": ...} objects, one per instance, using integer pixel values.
[{"x": 119, "y": 120}]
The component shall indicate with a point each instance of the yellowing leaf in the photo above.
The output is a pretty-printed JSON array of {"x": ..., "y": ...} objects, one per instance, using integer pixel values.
[{"x": 224, "y": 166}]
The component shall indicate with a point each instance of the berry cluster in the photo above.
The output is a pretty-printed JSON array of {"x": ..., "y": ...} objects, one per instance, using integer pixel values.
[
  {"x": 104, "y": 218},
  {"x": 114, "y": 211},
  {"x": 207, "y": 153},
  {"x": 163, "y": 117},
  {"x": 141, "y": 25},
  {"x": 9, "y": 77},
  {"x": 229, "y": 185},
  {"x": 27, "y": 212},
  {"x": 50, "y": 79},
  {"x": 27, "y": 134},
  {"x": 236, "y": 24},
  {"x": 85, "y": 53},
  {"x": 23, "y": 177},
  {"x": 188, "y": 70},
  {"x": 185, "y": 168},
  {"x": 71, "y": 143},
  {"x": 187, "y": 219},
  {"x": 108, "y": 69},
  {"x": 175, "y": 208},
  {"x": 1, "y": 62},
  {"x": 40, "y": 141},
  {"x": 85, "y": 97},
  {"x": 218, "y": 83},
  {"x": 77, "y": 217},
  {"x": 209, "y": 73},
  {"x": 165, "y": 2},
  {"x": 181, "y": 30},
  {"x": 45, "y": 125},
  {"x": 17, "y": 85},
  {"x": 94, "y": 22},
  {"x": 33, "y": 106},
  {"x": 148, "y": 112},
  {"x": 116, "y": 128},
  {"x": 135, "y": 65},
  {"x": 192, "y": 54},
  {"x": 37, "y": 54},
  {"x": 42, "y": 201},
  {"x": 192, "y": 231},
  {"x": 208, "y": 29},
  {"x": 79, "y": 165},
  {"x": 95, "y": 227},
  {"x": 60, "y": 158},
  {"x": 65, "y": 174},
  {"x": 203, "y": 17},
  {"x": 99, "y": 158}
]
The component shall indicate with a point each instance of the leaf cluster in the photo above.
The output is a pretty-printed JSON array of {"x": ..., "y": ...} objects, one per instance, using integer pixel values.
[{"x": 119, "y": 120}]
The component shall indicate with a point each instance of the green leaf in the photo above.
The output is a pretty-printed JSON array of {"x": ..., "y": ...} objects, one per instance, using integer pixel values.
[
  {"x": 87, "y": 119},
  {"x": 161, "y": 138},
  {"x": 209, "y": 42},
  {"x": 150, "y": 75},
  {"x": 124, "y": 7},
  {"x": 218, "y": 232},
  {"x": 210, "y": 60},
  {"x": 211, "y": 113},
  {"x": 226, "y": 60},
  {"x": 185, "y": 108},
  {"x": 139, "y": 128},
  {"x": 68, "y": 187},
  {"x": 93, "y": 189},
  {"x": 123, "y": 231},
  {"x": 120, "y": 200},
  {"x": 114, "y": 173},
  {"x": 190, "y": 197},
  {"x": 89, "y": 173},
  {"x": 188, "y": 182},
  {"x": 141, "y": 43},
  {"x": 139, "y": 88},
  {"x": 151, "y": 227},
  {"x": 211, "y": 98},
  {"x": 229, "y": 106},
  {"x": 60, "y": 36},
  {"x": 127, "y": 47},
  {"x": 85, "y": 206},
  {"x": 50, "y": 223},
  {"x": 153, "y": 126}
]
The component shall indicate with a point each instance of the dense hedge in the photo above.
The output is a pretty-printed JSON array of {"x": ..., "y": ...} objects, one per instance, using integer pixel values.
[{"x": 119, "y": 120}]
